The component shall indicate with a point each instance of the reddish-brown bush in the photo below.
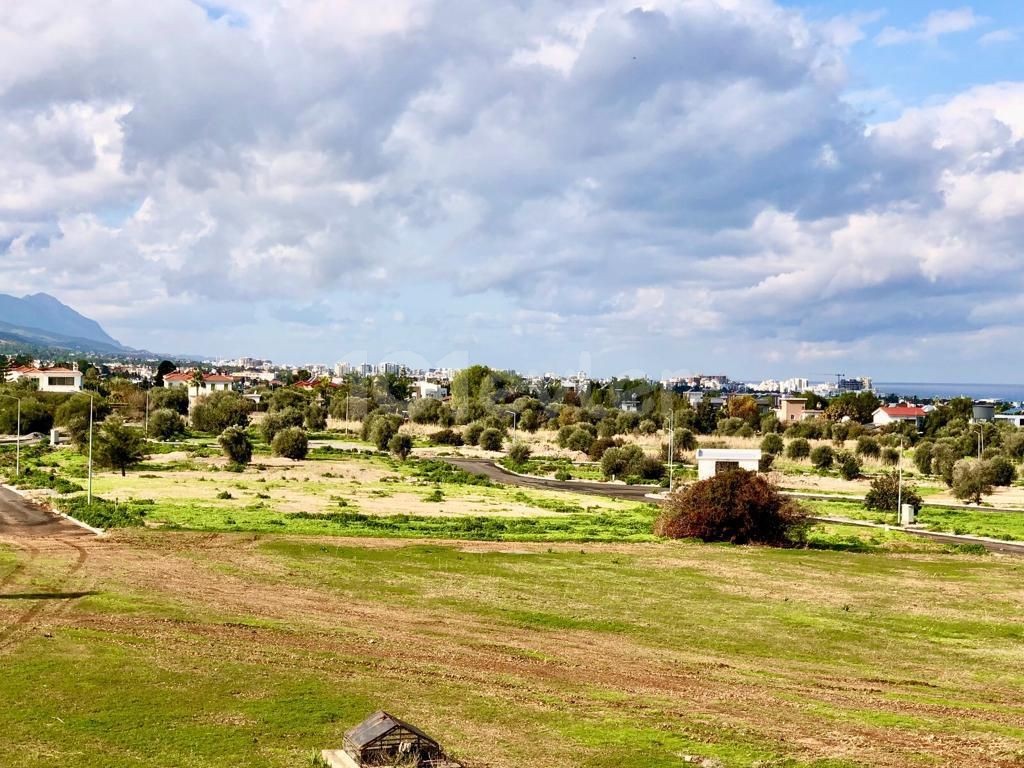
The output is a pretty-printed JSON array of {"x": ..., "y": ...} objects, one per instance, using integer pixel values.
[{"x": 738, "y": 506}]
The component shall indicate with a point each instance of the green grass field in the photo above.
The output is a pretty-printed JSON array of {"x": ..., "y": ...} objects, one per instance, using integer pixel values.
[
  {"x": 228, "y": 650},
  {"x": 1007, "y": 526}
]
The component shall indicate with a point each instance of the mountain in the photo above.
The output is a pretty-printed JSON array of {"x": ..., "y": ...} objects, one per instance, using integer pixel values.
[{"x": 43, "y": 320}]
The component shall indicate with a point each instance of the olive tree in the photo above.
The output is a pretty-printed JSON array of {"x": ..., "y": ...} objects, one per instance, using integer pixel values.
[
  {"x": 237, "y": 446},
  {"x": 118, "y": 446},
  {"x": 291, "y": 443}
]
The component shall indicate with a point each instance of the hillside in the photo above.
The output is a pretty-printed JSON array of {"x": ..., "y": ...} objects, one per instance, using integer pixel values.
[{"x": 42, "y": 320}]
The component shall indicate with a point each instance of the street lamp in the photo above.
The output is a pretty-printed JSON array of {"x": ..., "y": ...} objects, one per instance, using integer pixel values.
[
  {"x": 671, "y": 444},
  {"x": 514, "y": 415},
  {"x": 89, "y": 500},
  {"x": 17, "y": 444},
  {"x": 981, "y": 439},
  {"x": 899, "y": 487}
]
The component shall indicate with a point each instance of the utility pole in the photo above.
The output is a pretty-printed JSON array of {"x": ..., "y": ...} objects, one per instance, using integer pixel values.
[
  {"x": 89, "y": 500},
  {"x": 899, "y": 486},
  {"x": 671, "y": 447}
]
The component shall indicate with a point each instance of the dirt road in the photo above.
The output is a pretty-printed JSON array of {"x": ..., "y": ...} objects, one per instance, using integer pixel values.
[
  {"x": 36, "y": 531},
  {"x": 491, "y": 470}
]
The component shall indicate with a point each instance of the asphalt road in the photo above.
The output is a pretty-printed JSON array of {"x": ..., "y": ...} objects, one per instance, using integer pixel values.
[
  {"x": 22, "y": 519},
  {"x": 638, "y": 493},
  {"x": 497, "y": 474}
]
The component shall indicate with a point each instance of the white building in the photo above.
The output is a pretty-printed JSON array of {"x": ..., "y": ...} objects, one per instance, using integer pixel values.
[
  {"x": 898, "y": 413},
  {"x": 212, "y": 382},
  {"x": 1015, "y": 416},
  {"x": 50, "y": 379},
  {"x": 428, "y": 389},
  {"x": 711, "y": 461}
]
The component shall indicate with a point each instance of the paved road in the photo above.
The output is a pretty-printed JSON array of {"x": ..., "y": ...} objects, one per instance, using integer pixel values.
[
  {"x": 22, "y": 519},
  {"x": 635, "y": 493},
  {"x": 497, "y": 474}
]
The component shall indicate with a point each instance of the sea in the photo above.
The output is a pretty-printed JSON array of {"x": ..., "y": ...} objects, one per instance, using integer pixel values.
[{"x": 1008, "y": 393}]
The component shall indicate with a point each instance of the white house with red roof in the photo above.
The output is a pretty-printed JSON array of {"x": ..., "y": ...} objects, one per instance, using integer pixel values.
[
  {"x": 50, "y": 379},
  {"x": 892, "y": 414},
  {"x": 212, "y": 382}
]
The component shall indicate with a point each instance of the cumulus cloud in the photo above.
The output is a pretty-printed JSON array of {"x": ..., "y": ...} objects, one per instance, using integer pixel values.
[{"x": 593, "y": 171}]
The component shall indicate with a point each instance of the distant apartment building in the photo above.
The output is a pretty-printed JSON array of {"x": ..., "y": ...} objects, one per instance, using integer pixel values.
[
  {"x": 429, "y": 390},
  {"x": 861, "y": 384},
  {"x": 795, "y": 409},
  {"x": 783, "y": 387}
]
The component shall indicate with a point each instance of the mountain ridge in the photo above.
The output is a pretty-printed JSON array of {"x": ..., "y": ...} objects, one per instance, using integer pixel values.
[{"x": 40, "y": 318}]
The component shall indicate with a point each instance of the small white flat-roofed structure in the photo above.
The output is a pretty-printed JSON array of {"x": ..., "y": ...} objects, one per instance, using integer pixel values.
[{"x": 711, "y": 461}]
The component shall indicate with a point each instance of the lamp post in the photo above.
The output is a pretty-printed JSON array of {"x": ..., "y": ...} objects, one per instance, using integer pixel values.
[
  {"x": 89, "y": 498},
  {"x": 147, "y": 413},
  {"x": 671, "y": 444},
  {"x": 899, "y": 486},
  {"x": 981, "y": 439},
  {"x": 17, "y": 444},
  {"x": 514, "y": 415}
]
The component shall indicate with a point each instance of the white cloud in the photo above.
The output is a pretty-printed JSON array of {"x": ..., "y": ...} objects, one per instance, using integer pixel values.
[
  {"x": 999, "y": 36},
  {"x": 935, "y": 25},
  {"x": 687, "y": 170}
]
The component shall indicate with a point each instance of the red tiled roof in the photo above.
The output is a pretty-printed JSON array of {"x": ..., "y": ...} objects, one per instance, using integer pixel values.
[
  {"x": 25, "y": 370},
  {"x": 905, "y": 411},
  {"x": 187, "y": 376}
]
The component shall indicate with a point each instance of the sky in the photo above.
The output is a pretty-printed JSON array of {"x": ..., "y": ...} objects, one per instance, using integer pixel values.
[{"x": 756, "y": 188}]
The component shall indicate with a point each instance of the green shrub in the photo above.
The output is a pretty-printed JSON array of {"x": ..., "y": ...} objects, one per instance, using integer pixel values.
[
  {"x": 849, "y": 467},
  {"x": 471, "y": 434},
  {"x": 219, "y": 410},
  {"x": 772, "y": 444},
  {"x": 822, "y": 457},
  {"x": 1001, "y": 471},
  {"x": 490, "y": 439},
  {"x": 519, "y": 453},
  {"x": 446, "y": 437},
  {"x": 869, "y": 447},
  {"x": 166, "y": 424},
  {"x": 798, "y": 448},
  {"x": 237, "y": 446},
  {"x": 923, "y": 457},
  {"x": 291, "y": 443},
  {"x": 438, "y": 471},
  {"x": 884, "y": 494},
  {"x": 401, "y": 446},
  {"x": 102, "y": 513}
]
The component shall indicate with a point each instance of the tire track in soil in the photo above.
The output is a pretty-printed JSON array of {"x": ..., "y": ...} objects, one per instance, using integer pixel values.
[
  {"x": 33, "y": 553},
  {"x": 9, "y": 635}
]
